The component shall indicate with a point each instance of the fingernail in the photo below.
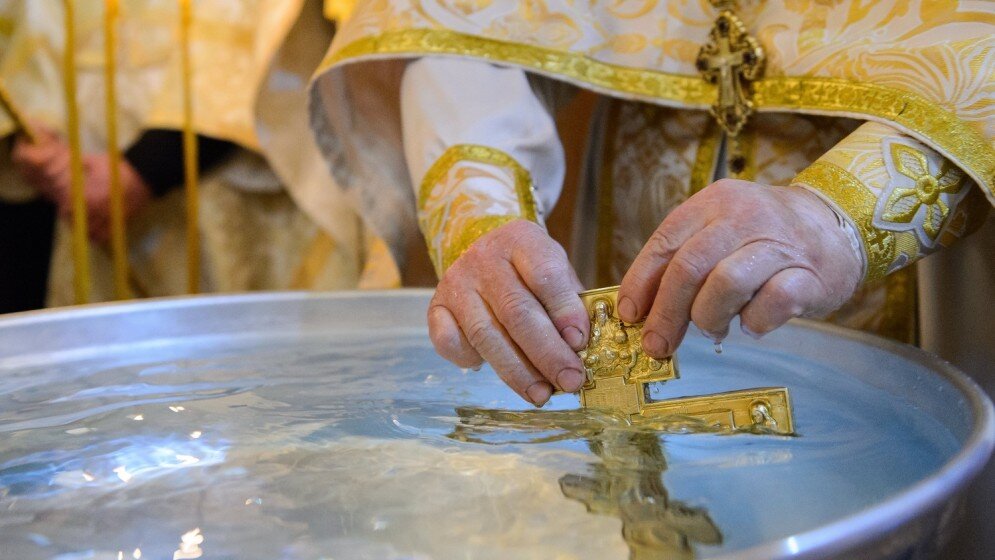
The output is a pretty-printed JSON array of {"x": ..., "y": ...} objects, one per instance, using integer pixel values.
[
  {"x": 716, "y": 338},
  {"x": 654, "y": 344},
  {"x": 746, "y": 330},
  {"x": 627, "y": 310},
  {"x": 573, "y": 337},
  {"x": 477, "y": 367},
  {"x": 539, "y": 393},
  {"x": 570, "y": 380}
]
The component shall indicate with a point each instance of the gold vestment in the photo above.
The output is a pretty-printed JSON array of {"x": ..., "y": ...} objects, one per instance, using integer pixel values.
[{"x": 884, "y": 109}]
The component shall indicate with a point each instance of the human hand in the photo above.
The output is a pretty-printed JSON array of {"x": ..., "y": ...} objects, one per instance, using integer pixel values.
[
  {"x": 512, "y": 299},
  {"x": 764, "y": 253},
  {"x": 44, "y": 164},
  {"x": 97, "y": 192}
]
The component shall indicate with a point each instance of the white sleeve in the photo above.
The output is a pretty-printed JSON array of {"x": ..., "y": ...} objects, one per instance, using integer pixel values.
[{"x": 447, "y": 102}]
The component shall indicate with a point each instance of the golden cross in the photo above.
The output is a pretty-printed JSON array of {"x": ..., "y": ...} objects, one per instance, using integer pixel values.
[
  {"x": 619, "y": 374},
  {"x": 731, "y": 60},
  {"x": 617, "y": 369}
]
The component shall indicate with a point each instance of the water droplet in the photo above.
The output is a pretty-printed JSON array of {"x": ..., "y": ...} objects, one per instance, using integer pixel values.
[{"x": 718, "y": 347}]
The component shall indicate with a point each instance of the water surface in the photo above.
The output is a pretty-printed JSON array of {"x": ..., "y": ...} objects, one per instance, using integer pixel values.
[{"x": 320, "y": 447}]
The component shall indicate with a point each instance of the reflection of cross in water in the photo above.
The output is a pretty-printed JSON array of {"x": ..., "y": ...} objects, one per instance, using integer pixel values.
[
  {"x": 628, "y": 484},
  {"x": 731, "y": 59}
]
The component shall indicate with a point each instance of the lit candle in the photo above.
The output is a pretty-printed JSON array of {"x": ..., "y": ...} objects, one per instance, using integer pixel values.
[
  {"x": 190, "y": 153},
  {"x": 81, "y": 243},
  {"x": 118, "y": 242}
]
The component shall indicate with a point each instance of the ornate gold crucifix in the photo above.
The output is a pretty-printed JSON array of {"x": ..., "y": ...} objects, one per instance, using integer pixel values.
[
  {"x": 731, "y": 60},
  {"x": 619, "y": 374}
]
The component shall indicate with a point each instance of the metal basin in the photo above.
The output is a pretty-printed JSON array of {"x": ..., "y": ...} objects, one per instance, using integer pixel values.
[{"x": 323, "y": 426}]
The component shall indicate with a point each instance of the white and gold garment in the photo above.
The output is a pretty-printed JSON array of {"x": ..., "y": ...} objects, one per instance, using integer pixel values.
[
  {"x": 885, "y": 109},
  {"x": 251, "y": 61}
]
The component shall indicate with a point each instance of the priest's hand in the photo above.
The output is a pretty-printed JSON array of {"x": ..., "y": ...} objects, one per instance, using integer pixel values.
[
  {"x": 512, "y": 299},
  {"x": 136, "y": 194},
  {"x": 764, "y": 253}
]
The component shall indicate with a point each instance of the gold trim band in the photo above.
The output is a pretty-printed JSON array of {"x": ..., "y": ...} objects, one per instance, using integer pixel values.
[
  {"x": 921, "y": 118},
  {"x": 687, "y": 90},
  {"x": 481, "y": 154},
  {"x": 478, "y": 226},
  {"x": 857, "y": 201}
]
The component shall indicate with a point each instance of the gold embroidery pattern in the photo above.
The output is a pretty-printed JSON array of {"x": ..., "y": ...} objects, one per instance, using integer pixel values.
[
  {"x": 704, "y": 161},
  {"x": 920, "y": 117},
  {"x": 916, "y": 200},
  {"x": 689, "y": 90},
  {"x": 652, "y": 153},
  {"x": 452, "y": 216},
  {"x": 857, "y": 202}
]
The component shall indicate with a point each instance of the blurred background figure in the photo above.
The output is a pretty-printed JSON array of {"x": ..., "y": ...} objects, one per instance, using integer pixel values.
[{"x": 250, "y": 64}]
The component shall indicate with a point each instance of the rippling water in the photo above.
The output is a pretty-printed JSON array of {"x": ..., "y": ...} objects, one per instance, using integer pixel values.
[{"x": 308, "y": 447}]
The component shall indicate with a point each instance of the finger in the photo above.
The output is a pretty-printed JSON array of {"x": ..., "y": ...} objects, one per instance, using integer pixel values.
[
  {"x": 448, "y": 338},
  {"x": 641, "y": 281},
  {"x": 788, "y": 294},
  {"x": 490, "y": 340},
  {"x": 531, "y": 329},
  {"x": 682, "y": 279},
  {"x": 734, "y": 281},
  {"x": 555, "y": 284}
]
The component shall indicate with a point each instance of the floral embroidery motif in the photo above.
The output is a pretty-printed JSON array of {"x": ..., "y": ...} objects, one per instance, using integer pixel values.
[{"x": 922, "y": 189}]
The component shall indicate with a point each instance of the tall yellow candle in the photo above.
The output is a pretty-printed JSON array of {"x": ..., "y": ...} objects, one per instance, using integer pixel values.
[
  {"x": 190, "y": 153},
  {"x": 81, "y": 243},
  {"x": 118, "y": 241}
]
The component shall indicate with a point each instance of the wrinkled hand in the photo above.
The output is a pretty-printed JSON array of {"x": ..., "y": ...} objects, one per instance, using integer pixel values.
[
  {"x": 97, "y": 191},
  {"x": 764, "y": 253},
  {"x": 44, "y": 164},
  {"x": 512, "y": 299}
]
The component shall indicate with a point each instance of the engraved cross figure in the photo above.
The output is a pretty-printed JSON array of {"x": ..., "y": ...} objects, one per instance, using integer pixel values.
[
  {"x": 732, "y": 60},
  {"x": 617, "y": 369}
]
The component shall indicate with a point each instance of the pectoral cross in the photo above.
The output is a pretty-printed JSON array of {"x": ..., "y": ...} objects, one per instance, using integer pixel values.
[
  {"x": 619, "y": 374},
  {"x": 731, "y": 60}
]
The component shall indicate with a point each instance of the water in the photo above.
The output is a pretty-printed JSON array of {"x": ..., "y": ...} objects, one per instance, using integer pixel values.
[{"x": 309, "y": 447}]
